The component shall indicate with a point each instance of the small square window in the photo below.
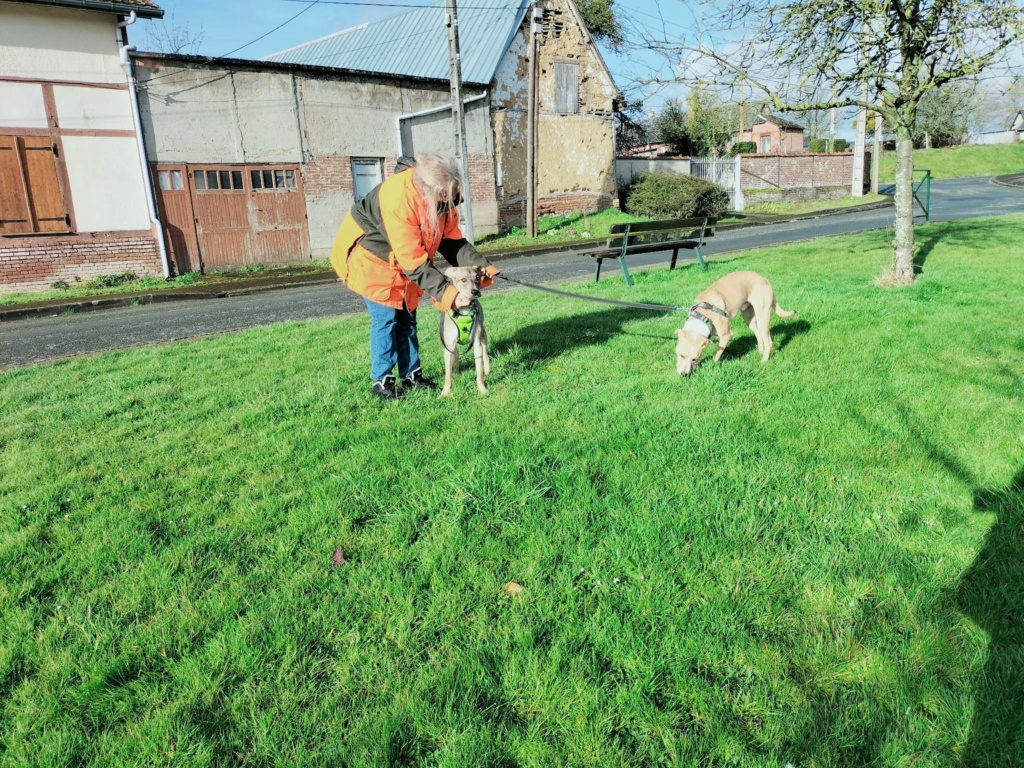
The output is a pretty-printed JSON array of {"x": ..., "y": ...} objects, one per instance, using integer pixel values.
[
  {"x": 165, "y": 179},
  {"x": 177, "y": 182},
  {"x": 257, "y": 179},
  {"x": 236, "y": 180},
  {"x": 290, "y": 179},
  {"x": 268, "y": 179},
  {"x": 279, "y": 179},
  {"x": 200, "y": 180},
  {"x": 225, "y": 179},
  {"x": 212, "y": 180}
]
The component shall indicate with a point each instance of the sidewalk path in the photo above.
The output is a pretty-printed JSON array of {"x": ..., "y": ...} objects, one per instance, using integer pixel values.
[{"x": 36, "y": 340}]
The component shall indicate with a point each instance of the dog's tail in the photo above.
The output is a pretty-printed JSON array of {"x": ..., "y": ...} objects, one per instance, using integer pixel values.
[{"x": 780, "y": 311}]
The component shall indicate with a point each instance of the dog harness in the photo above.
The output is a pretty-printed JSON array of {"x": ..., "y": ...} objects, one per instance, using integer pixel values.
[
  {"x": 467, "y": 320},
  {"x": 699, "y": 324}
]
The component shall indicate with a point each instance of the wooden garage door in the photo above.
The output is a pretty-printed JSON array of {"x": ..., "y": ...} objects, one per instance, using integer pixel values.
[
  {"x": 175, "y": 197},
  {"x": 249, "y": 215}
]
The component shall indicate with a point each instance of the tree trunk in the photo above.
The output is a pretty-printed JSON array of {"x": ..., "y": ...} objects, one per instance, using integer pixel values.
[{"x": 903, "y": 252}]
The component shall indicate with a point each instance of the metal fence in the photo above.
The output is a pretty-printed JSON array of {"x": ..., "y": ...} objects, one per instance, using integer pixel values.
[{"x": 723, "y": 171}]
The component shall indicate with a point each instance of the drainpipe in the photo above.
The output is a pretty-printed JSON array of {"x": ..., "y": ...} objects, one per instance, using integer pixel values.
[
  {"x": 147, "y": 178},
  {"x": 422, "y": 112}
]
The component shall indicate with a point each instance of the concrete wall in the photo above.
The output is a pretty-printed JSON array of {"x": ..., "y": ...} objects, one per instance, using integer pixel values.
[
  {"x": 1001, "y": 137},
  {"x": 627, "y": 170},
  {"x": 575, "y": 153},
  {"x": 211, "y": 115},
  {"x": 75, "y": 53}
]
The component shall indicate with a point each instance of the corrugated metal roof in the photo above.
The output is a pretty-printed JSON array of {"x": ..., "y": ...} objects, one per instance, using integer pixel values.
[{"x": 416, "y": 43}]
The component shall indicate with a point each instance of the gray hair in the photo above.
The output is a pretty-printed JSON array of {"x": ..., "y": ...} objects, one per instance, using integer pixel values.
[{"x": 438, "y": 181}]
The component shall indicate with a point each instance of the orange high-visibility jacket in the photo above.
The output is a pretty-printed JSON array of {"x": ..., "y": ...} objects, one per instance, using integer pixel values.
[{"x": 382, "y": 253}]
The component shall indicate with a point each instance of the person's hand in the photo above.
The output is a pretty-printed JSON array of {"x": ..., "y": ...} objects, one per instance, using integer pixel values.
[{"x": 462, "y": 302}]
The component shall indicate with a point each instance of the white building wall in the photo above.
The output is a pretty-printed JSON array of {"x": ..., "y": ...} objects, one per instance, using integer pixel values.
[
  {"x": 50, "y": 43},
  {"x": 107, "y": 191},
  {"x": 53, "y": 44},
  {"x": 22, "y": 105},
  {"x": 93, "y": 108}
]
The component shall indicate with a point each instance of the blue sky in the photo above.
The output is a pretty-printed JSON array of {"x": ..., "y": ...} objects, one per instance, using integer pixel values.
[{"x": 227, "y": 24}]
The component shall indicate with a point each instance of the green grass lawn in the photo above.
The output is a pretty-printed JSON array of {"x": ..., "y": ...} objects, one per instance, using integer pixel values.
[
  {"x": 112, "y": 285},
  {"x": 816, "y": 562},
  {"x": 811, "y": 206},
  {"x": 952, "y": 162}
]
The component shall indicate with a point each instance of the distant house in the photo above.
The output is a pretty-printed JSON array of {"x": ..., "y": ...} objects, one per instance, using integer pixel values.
[
  {"x": 74, "y": 202},
  {"x": 1001, "y": 130},
  {"x": 258, "y": 161},
  {"x": 771, "y": 133}
]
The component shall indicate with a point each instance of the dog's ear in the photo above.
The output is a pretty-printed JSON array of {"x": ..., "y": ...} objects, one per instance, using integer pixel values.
[{"x": 450, "y": 273}]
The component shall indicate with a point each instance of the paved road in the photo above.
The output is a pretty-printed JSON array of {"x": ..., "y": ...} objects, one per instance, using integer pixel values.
[{"x": 36, "y": 340}]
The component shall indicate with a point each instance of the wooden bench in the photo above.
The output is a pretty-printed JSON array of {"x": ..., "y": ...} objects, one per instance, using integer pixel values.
[{"x": 649, "y": 236}]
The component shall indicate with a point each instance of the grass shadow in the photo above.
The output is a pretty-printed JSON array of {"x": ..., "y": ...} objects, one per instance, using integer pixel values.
[
  {"x": 992, "y": 593},
  {"x": 967, "y": 233},
  {"x": 782, "y": 334},
  {"x": 551, "y": 338}
]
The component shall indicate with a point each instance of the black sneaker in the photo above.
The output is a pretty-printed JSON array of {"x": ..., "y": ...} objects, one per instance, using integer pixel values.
[
  {"x": 385, "y": 388},
  {"x": 416, "y": 380}
]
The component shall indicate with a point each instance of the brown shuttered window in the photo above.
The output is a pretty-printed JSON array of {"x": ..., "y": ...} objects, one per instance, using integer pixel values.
[
  {"x": 30, "y": 199},
  {"x": 567, "y": 88}
]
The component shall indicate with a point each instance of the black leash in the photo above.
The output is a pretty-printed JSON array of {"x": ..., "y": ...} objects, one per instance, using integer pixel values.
[{"x": 633, "y": 305}]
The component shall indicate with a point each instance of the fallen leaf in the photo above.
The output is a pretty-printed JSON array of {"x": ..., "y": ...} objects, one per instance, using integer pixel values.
[
  {"x": 339, "y": 557},
  {"x": 512, "y": 589}
]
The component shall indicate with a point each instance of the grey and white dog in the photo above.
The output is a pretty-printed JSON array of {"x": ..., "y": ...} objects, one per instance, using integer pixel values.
[{"x": 471, "y": 333}]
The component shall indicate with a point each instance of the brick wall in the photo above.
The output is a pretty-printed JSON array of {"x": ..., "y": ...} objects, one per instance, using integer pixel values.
[
  {"x": 35, "y": 263},
  {"x": 481, "y": 178},
  {"x": 512, "y": 212},
  {"x": 797, "y": 177},
  {"x": 324, "y": 174}
]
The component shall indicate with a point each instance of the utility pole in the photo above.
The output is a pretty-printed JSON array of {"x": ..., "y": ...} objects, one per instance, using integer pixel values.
[
  {"x": 876, "y": 155},
  {"x": 536, "y": 26},
  {"x": 458, "y": 112},
  {"x": 858, "y": 151}
]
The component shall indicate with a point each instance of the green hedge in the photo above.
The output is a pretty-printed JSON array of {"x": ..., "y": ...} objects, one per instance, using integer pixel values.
[
  {"x": 821, "y": 145},
  {"x": 672, "y": 196},
  {"x": 744, "y": 148}
]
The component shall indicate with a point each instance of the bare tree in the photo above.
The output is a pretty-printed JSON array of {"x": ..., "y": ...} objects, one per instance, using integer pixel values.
[
  {"x": 167, "y": 36},
  {"x": 882, "y": 55}
]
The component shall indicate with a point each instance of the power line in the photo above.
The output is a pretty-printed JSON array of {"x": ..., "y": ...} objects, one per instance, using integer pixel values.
[
  {"x": 408, "y": 5},
  {"x": 314, "y": 61},
  {"x": 256, "y": 40}
]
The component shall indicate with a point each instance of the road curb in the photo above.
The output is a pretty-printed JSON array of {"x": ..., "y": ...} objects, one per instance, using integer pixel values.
[{"x": 54, "y": 307}]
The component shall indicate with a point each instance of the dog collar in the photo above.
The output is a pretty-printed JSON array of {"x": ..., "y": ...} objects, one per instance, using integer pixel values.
[
  {"x": 709, "y": 307},
  {"x": 698, "y": 325}
]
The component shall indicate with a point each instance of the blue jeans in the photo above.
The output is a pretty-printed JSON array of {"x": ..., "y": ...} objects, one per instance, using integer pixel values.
[{"x": 393, "y": 341}]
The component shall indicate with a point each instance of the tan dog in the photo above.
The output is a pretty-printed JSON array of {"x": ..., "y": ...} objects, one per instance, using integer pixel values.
[
  {"x": 467, "y": 281},
  {"x": 738, "y": 292}
]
